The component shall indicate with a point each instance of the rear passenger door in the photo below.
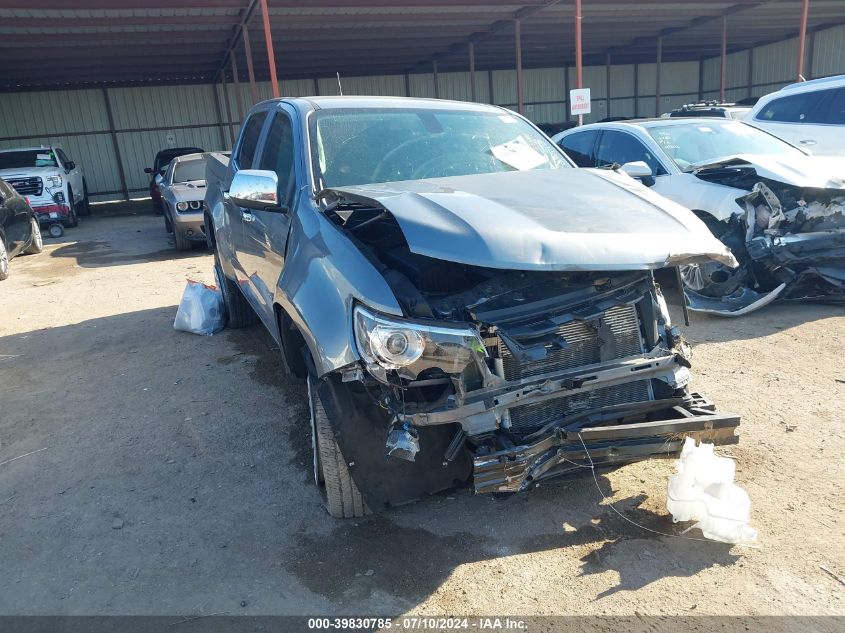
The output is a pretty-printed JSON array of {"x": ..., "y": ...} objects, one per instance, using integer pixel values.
[
  {"x": 73, "y": 173},
  {"x": 580, "y": 147},
  {"x": 796, "y": 118},
  {"x": 266, "y": 232},
  {"x": 831, "y": 139}
]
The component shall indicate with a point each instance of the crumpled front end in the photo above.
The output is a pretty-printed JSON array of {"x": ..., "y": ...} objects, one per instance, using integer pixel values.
[
  {"x": 594, "y": 374},
  {"x": 790, "y": 242},
  {"x": 492, "y": 371},
  {"x": 535, "y": 374}
]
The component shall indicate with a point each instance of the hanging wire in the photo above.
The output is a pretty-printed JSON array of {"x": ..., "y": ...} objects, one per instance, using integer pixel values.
[{"x": 592, "y": 468}]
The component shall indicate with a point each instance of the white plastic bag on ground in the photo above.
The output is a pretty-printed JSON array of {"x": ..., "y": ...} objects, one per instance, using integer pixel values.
[
  {"x": 201, "y": 310},
  {"x": 703, "y": 490}
]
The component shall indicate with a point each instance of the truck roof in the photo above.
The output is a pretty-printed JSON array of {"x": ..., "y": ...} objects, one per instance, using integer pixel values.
[
  {"x": 25, "y": 149},
  {"x": 355, "y": 101}
]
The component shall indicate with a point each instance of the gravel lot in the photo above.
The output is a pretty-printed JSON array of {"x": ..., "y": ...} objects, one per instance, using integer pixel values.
[{"x": 169, "y": 473}]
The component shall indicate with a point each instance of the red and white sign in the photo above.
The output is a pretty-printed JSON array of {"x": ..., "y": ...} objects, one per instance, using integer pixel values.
[{"x": 579, "y": 101}]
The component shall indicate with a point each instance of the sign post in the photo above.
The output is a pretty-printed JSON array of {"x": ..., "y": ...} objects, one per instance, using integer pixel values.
[{"x": 579, "y": 103}]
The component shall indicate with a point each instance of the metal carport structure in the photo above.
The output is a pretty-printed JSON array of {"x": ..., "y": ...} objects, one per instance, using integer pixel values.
[{"x": 133, "y": 74}]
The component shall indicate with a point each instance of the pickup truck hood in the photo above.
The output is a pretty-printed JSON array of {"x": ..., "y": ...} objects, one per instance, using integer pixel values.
[
  {"x": 820, "y": 172},
  {"x": 556, "y": 219},
  {"x": 187, "y": 191},
  {"x": 29, "y": 172}
]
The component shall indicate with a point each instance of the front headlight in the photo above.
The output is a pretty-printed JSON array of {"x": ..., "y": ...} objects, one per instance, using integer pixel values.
[
  {"x": 411, "y": 347},
  {"x": 181, "y": 206},
  {"x": 195, "y": 205},
  {"x": 54, "y": 181}
]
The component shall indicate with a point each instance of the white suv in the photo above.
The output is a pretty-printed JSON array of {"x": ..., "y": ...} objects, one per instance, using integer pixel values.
[
  {"x": 52, "y": 182},
  {"x": 810, "y": 115}
]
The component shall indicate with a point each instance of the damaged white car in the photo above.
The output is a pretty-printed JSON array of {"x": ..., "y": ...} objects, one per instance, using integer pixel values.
[{"x": 779, "y": 210}]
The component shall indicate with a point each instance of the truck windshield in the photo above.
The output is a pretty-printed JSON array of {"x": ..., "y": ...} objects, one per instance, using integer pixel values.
[
  {"x": 356, "y": 147},
  {"x": 700, "y": 141},
  {"x": 28, "y": 158}
]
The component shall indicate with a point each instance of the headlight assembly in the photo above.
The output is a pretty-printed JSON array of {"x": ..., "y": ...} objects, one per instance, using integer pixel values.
[
  {"x": 195, "y": 205},
  {"x": 390, "y": 343},
  {"x": 54, "y": 181},
  {"x": 181, "y": 206}
]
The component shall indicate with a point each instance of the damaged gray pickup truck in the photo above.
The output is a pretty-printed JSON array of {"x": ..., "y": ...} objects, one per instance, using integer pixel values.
[{"x": 466, "y": 307}]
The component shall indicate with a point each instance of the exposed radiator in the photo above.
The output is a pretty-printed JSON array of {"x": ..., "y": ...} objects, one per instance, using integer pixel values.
[
  {"x": 530, "y": 417},
  {"x": 583, "y": 347}
]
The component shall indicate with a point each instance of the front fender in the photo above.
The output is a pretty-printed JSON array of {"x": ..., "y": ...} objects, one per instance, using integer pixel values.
[{"x": 324, "y": 275}]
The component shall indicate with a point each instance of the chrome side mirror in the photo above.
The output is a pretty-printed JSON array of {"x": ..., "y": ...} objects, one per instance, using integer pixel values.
[
  {"x": 637, "y": 169},
  {"x": 256, "y": 189}
]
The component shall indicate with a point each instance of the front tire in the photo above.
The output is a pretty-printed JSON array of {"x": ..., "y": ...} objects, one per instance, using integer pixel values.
[
  {"x": 182, "y": 243},
  {"x": 239, "y": 314},
  {"x": 73, "y": 220},
  {"x": 85, "y": 205},
  {"x": 36, "y": 245},
  {"x": 340, "y": 494}
]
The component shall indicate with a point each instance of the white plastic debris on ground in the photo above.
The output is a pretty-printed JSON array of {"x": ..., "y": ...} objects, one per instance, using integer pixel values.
[
  {"x": 703, "y": 490},
  {"x": 201, "y": 310}
]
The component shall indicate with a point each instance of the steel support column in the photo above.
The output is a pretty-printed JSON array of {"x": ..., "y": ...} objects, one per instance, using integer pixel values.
[
  {"x": 802, "y": 39},
  {"x": 117, "y": 158},
  {"x": 750, "y": 76},
  {"x": 811, "y": 54},
  {"x": 579, "y": 62},
  {"x": 701, "y": 80},
  {"x": 239, "y": 98},
  {"x": 271, "y": 57},
  {"x": 436, "y": 79},
  {"x": 723, "y": 59},
  {"x": 657, "y": 76},
  {"x": 636, "y": 90},
  {"x": 566, "y": 85},
  {"x": 221, "y": 125},
  {"x": 253, "y": 88},
  {"x": 472, "y": 71},
  {"x": 607, "y": 82},
  {"x": 520, "y": 85},
  {"x": 228, "y": 105}
]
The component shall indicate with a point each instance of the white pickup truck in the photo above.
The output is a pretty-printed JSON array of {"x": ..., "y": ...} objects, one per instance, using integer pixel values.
[{"x": 53, "y": 184}]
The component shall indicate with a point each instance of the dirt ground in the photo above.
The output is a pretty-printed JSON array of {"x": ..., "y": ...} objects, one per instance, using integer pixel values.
[{"x": 159, "y": 472}]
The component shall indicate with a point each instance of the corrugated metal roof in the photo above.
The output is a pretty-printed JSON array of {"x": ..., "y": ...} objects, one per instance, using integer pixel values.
[{"x": 82, "y": 42}]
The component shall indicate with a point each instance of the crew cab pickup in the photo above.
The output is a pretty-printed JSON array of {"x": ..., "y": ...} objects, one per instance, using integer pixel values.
[
  {"x": 53, "y": 184},
  {"x": 465, "y": 306}
]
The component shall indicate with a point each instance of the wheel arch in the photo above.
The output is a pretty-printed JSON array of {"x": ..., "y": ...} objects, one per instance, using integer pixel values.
[{"x": 296, "y": 353}]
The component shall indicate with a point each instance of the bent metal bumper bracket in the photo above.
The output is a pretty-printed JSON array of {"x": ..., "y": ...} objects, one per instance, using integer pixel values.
[{"x": 563, "y": 451}]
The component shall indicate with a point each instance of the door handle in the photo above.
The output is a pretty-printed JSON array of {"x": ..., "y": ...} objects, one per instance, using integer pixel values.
[
  {"x": 247, "y": 216},
  {"x": 807, "y": 141}
]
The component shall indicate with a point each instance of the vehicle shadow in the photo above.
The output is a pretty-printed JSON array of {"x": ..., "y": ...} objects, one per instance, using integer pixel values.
[
  {"x": 778, "y": 317},
  {"x": 120, "y": 241},
  {"x": 185, "y": 461},
  {"x": 97, "y": 254},
  {"x": 774, "y": 318}
]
